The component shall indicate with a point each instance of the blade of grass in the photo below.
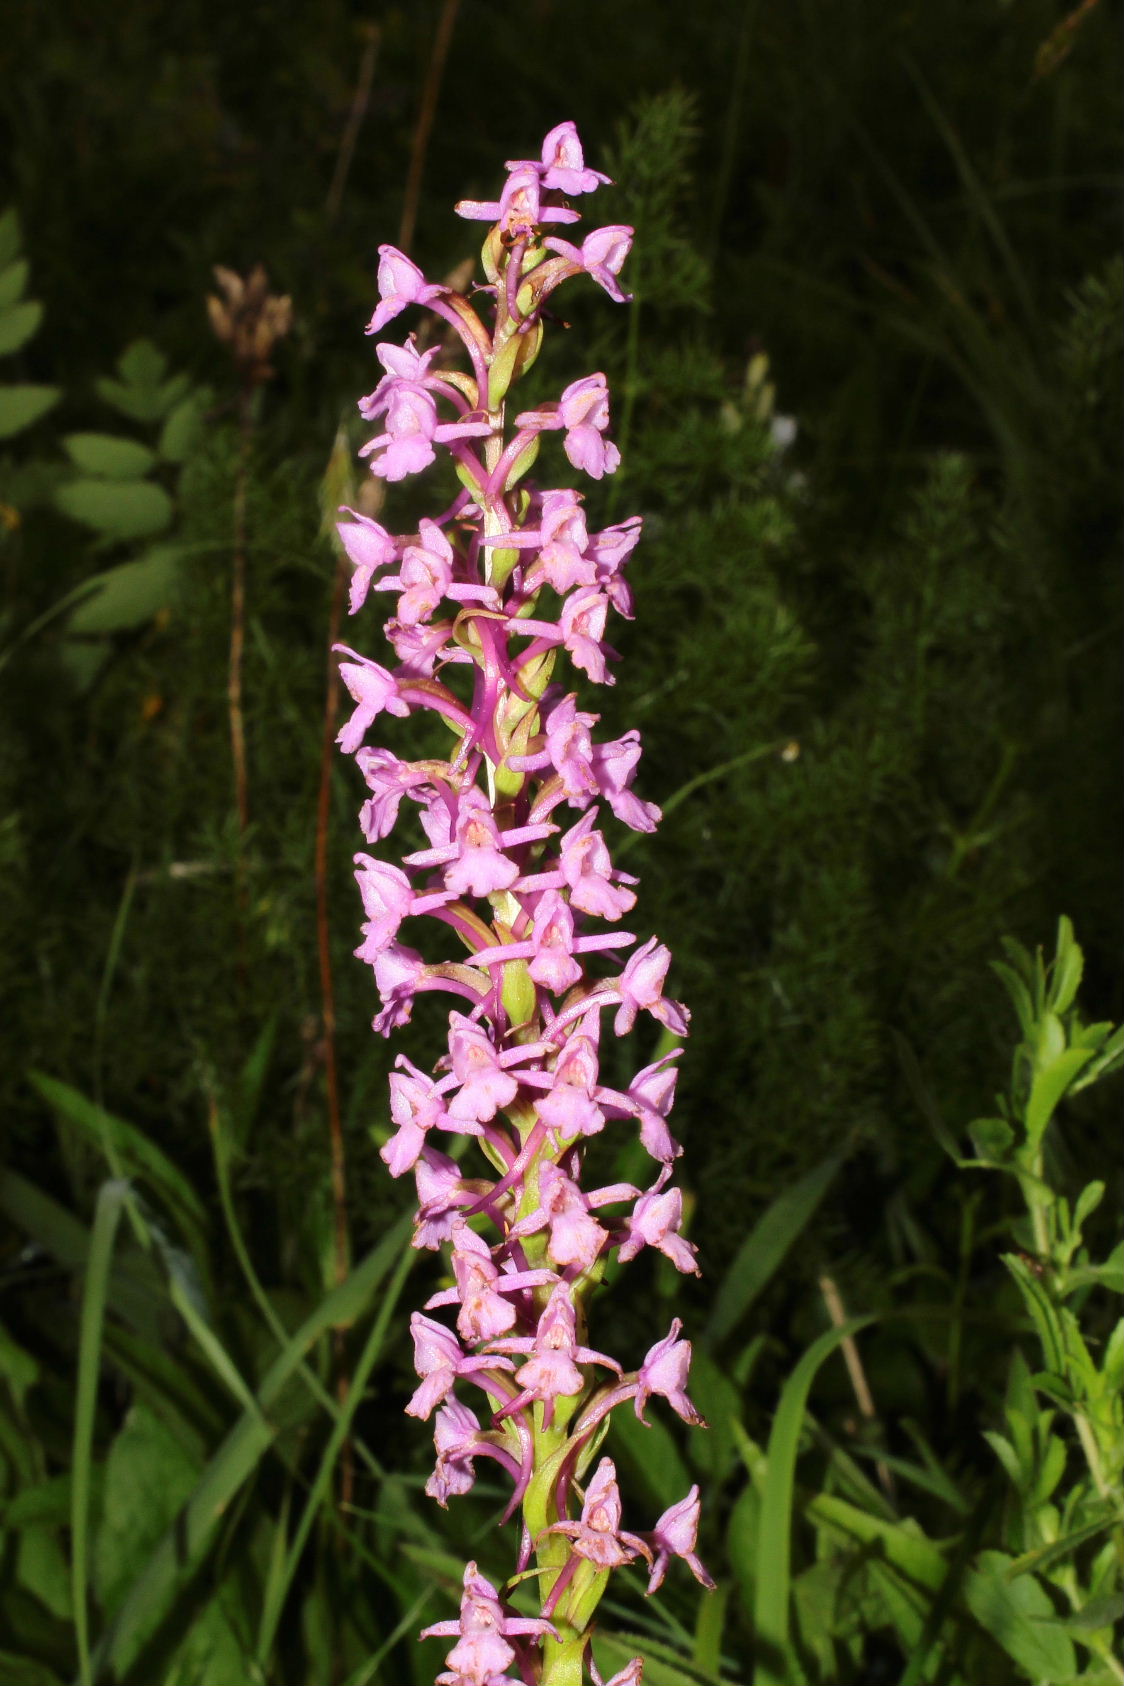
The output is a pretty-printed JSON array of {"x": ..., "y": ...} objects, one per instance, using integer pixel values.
[
  {"x": 764, "y": 1249},
  {"x": 774, "y": 1568},
  {"x": 110, "y": 1203}
]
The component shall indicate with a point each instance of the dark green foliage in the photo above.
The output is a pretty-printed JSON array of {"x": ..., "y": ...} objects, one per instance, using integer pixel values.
[{"x": 869, "y": 399}]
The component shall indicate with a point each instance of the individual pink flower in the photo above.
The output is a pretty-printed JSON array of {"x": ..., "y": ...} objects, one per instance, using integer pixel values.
[
  {"x": 439, "y": 1360},
  {"x": 664, "y": 1371},
  {"x": 387, "y": 898},
  {"x": 416, "y": 1108},
  {"x": 373, "y": 690},
  {"x": 614, "y": 768},
  {"x": 655, "y": 1222},
  {"x": 598, "y": 1536},
  {"x": 485, "y": 1086},
  {"x": 455, "y": 1435},
  {"x": 551, "y": 1372},
  {"x": 481, "y": 866},
  {"x": 601, "y": 256},
  {"x": 576, "y": 1238},
  {"x": 520, "y": 208},
  {"x": 412, "y": 428},
  {"x": 482, "y": 1652},
  {"x": 587, "y": 869},
  {"x": 563, "y": 164},
  {"x": 569, "y": 1107},
  {"x": 400, "y": 283},
  {"x": 553, "y": 964},
  {"x": 674, "y": 1535},
  {"x": 388, "y": 779},
  {"x": 370, "y": 548},
  {"x": 652, "y": 1095},
  {"x": 641, "y": 985}
]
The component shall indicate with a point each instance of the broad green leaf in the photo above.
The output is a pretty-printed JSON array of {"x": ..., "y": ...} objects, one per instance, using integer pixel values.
[
  {"x": 771, "y": 1602},
  {"x": 17, "y": 324},
  {"x": 21, "y": 406},
  {"x": 1050, "y": 1084},
  {"x": 142, "y": 363},
  {"x": 42, "y": 1568},
  {"x": 148, "y": 1475},
  {"x": 109, "y": 456},
  {"x": 1019, "y": 1616},
  {"x": 13, "y": 280},
  {"x": 126, "y": 509},
  {"x": 764, "y": 1249},
  {"x": 47, "y": 1504},
  {"x": 128, "y": 595},
  {"x": 183, "y": 427}
]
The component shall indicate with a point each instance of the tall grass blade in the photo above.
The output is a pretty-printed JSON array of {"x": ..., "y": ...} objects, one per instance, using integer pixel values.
[
  {"x": 774, "y": 1569},
  {"x": 764, "y": 1249},
  {"x": 110, "y": 1203}
]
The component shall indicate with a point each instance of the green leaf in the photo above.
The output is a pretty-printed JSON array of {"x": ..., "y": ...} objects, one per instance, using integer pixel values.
[
  {"x": 17, "y": 324},
  {"x": 41, "y": 1567},
  {"x": 142, "y": 363},
  {"x": 128, "y": 595},
  {"x": 109, "y": 456},
  {"x": 21, "y": 406},
  {"x": 127, "y": 509},
  {"x": 991, "y": 1139},
  {"x": 148, "y": 1475},
  {"x": 1044, "y": 1557},
  {"x": 13, "y": 280},
  {"x": 1069, "y": 963},
  {"x": 1019, "y": 993},
  {"x": 183, "y": 427},
  {"x": 111, "y": 1200},
  {"x": 764, "y": 1249},
  {"x": 1019, "y": 1616},
  {"x": 1049, "y": 1085},
  {"x": 771, "y": 1603},
  {"x": 1042, "y": 1311}
]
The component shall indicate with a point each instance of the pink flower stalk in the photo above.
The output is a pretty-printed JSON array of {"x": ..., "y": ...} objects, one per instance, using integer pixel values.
[{"x": 489, "y": 600}]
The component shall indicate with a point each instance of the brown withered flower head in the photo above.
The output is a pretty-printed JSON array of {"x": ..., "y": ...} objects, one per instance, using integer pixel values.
[{"x": 250, "y": 319}]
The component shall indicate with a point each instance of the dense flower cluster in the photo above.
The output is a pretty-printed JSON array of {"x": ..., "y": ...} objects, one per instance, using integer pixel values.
[{"x": 496, "y": 589}]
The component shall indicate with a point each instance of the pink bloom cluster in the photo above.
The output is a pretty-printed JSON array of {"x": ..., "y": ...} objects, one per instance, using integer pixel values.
[{"x": 485, "y": 599}]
